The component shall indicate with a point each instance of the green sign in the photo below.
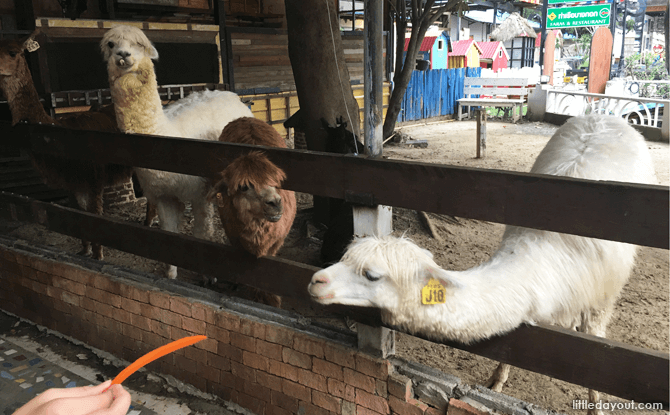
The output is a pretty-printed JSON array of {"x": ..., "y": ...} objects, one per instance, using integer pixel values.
[{"x": 593, "y": 15}]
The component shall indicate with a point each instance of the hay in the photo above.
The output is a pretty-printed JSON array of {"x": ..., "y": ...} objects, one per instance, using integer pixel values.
[{"x": 513, "y": 26}]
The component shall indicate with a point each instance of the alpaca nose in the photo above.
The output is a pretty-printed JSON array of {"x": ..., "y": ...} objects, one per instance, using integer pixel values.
[
  {"x": 275, "y": 203},
  {"x": 123, "y": 54},
  {"x": 320, "y": 278}
]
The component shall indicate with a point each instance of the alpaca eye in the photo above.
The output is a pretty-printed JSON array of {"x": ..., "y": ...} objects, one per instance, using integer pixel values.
[
  {"x": 244, "y": 188},
  {"x": 110, "y": 44},
  {"x": 372, "y": 276}
]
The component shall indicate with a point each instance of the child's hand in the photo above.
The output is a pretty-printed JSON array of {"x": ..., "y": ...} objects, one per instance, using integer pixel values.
[{"x": 85, "y": 400}]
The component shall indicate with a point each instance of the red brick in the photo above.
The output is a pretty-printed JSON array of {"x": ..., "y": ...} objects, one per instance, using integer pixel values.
[
  {"x": 341, "y": 390},
  {"x": 283, "y": 370},
  {"x": 184, "y": 363},
  {"x": 326, "y": 401},
  {"x": 119, "y": 314},
  {"x": 308, "y": 346},
  {"x": 412, "y": 407},
  {"x": 180, "y": 306},
  {"x": 214, "y": 332},
  {"x": 242, "y": 371},
  {"x": 227, "y": 321},
  {"x": 140, "y": 322},
  {"x": 376, "y": 403},
  {"x": 359, "y": 380},
  {"x": 308, "y": 408},
  {"x": 252, "y": 329},
  {"x": 172, "y": 319},
  {"x": 113, "y": 299},
  {"x": 312, "y": 380},
  {"x": 327, "y": 369},
  {"x": 284, "y": 401},
  {"x": 159, "y": 299},
  {"x": 196, "y": 326},
  {"x": 400, "y": 386},
  {"x": 54, "y": 292},
  {"x": 230, "y": 351},
  {"x": 361, "y": 410},
  {"x": 131, "y": 306},
  {"x": 296, "y": 391},
  {"x": 243, "y": 342},
  {"x": 71, "y": 286},
  {"x": 132, "y": 332},
  {"x": 97, "y": 295},
  {"x": 199, "y": 355},
  {"x": 154, "y": 340},
  {"x": 340, "y": 356},
  {"x": 257, "y": 391},
  {"x": 269, "y": 350},
  {"x": 70, "y": 298},
  {"x": 210, "y": 345},
  {"x": 269, "y": 381},
  {"x": 255, "y": 405},
  {"x": 433, "y": 411},
  {"x": 79, "y": 275},
  {"x": 177, "y": 334},
  {"x": 377, "y": 368},
  {"x": 161, "y": 329},
  {"x": 210, "y": 373},
  {"x": 279, "y": 335},
  {"x": 218, "y": 362},
  {"x": 151, "y": 312},
  {"x": 255, "y": 360},
  {"x": 458, "y": 407},
  {"x": 134, "y": 293},
  {"x": 295, "y": 358},
  {"x": 202, "y": 312},
  {"x": 275, "y": 410}
]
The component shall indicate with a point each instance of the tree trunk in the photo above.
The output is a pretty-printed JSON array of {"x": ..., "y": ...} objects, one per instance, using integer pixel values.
[
  {"x": 322, "y": 82},
  {"x": 320, "y": 72}
]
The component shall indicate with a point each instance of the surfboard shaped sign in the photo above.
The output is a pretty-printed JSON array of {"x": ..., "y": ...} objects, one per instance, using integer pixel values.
[{"x": 577, "y": 16}]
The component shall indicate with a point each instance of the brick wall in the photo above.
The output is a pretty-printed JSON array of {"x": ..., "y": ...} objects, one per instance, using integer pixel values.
[
  {"x": 277, "y": 365},
  {"x": 119, "y": 194}
]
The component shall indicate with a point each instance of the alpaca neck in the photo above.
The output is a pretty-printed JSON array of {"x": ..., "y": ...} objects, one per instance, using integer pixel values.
[
  {"x": 138, "y": 105},
  {"x": 22, "y": 97},
  {"x": 480, "y": 302}
]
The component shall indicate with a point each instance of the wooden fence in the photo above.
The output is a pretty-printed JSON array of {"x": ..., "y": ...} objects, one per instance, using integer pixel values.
[
  {"x": 631, "y": 213},
  {"x": 434, "y": 93}
]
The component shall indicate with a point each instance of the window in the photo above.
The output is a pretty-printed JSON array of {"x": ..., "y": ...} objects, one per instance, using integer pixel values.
[
  {"x": 440, "y": 44},
  {"x": 500, "y": 53}
]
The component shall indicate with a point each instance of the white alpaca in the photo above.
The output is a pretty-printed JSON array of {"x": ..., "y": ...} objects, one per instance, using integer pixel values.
[
  {"x": 202, "y": 115},
  {"x": 534, "y": 276}
]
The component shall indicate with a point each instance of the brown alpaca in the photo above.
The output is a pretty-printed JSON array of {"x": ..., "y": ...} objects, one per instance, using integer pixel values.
[
  {"x": 85, "y": 179},
  {"x": 257, "y": 214}
]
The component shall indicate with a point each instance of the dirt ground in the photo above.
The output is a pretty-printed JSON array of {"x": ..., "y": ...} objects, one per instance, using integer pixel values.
[{"x": 641, "y": 317}]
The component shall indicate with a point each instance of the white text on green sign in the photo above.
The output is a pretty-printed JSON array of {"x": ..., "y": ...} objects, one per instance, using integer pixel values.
[{"x": 592, "y": 15}]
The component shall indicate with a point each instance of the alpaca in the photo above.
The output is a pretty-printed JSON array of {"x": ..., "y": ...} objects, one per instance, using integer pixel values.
[
  {"x": 256, "y": 213},
  {"x": 85, "y": 179},
  {"x": 201, "y": 115},
  {"x": 534, "y": 276}
]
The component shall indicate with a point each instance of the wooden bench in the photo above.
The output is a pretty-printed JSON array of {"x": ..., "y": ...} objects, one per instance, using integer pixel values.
[{"x": 494, "y": 87}]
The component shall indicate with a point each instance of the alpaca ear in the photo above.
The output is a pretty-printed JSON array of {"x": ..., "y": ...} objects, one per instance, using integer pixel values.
[
  {"x": 429, "y": 272},
  {"x": 219, "y": 187},
  {"x": 151, "y": 52}
]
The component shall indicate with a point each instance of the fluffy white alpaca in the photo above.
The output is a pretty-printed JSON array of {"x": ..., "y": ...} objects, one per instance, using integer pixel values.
[
  {"x": 534, "y": 276},
  {"x": 202, "y": 115}
]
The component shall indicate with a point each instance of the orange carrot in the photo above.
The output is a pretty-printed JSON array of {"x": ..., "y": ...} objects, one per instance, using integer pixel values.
[{"x": 156, "y": 354}]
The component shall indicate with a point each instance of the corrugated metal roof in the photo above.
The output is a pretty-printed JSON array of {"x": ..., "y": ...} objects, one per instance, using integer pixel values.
[
  {"x": 426, "y": 45},
  {"x": 489, "y": 49},
  {"x": 461, "y": 47}
]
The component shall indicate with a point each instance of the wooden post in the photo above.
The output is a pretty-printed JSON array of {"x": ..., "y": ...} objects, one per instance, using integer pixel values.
[
  {"x": 225, "y": 44},
  {"x": 375, "y": 220},
  {"x": 600, "y": 58},
  {"x": 543, "y": 32},
  {"x": 481, "y": 132}
]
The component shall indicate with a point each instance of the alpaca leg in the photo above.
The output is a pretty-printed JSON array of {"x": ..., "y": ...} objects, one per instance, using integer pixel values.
[
  {"x": 168, "y": 212},
  {"x": 151, "y": 214},
  {"x": 498, "y": 377},
  {"x": 595, "y": 323},
  {"x": 203, "y": 214},
  {"x": 83, "y": 200}
]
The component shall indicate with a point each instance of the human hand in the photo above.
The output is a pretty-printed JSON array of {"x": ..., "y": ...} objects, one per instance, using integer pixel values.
[{"x": 86, "y": 400}]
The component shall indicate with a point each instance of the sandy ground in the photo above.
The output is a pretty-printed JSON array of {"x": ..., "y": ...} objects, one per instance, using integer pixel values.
[{"x": 641, "y": 316}]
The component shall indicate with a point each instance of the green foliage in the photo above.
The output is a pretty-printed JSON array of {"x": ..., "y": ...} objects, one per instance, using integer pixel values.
[
  {"x": 630, "y": 25},
  {"x": 648, "y": 66}
]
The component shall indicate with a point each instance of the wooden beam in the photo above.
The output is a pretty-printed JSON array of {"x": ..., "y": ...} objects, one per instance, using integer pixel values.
[
  {"x": 608, "y": 366},
  {"x": 625, "y": 212},
  {"x": 225, "y": 44},
  {"x": 481, "y": 132}
]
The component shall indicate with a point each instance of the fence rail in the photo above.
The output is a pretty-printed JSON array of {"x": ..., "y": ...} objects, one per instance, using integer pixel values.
[
  {"x": 642, "y": 111},
  {"x": 567, "y": 205}
]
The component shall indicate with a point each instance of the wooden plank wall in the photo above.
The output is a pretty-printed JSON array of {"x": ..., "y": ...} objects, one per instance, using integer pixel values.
[{"x": 261, "y": 58}]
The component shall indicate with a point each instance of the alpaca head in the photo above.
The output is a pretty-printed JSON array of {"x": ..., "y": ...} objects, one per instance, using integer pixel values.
[
  {"x": 124, "y": 47},
  {"x": 12, "y": 59},
  {"x": 252, "y": 183},
  {"x": 384, "y": 272}
]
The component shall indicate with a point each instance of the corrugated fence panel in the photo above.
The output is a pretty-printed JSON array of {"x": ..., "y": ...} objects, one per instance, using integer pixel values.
[{"x": 434, "y": 92}]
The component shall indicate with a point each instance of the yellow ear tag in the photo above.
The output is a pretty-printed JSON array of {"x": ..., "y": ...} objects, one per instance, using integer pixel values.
[
  {"x": 433, "y": 293},
  {"x": 31, "y": 45}
]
